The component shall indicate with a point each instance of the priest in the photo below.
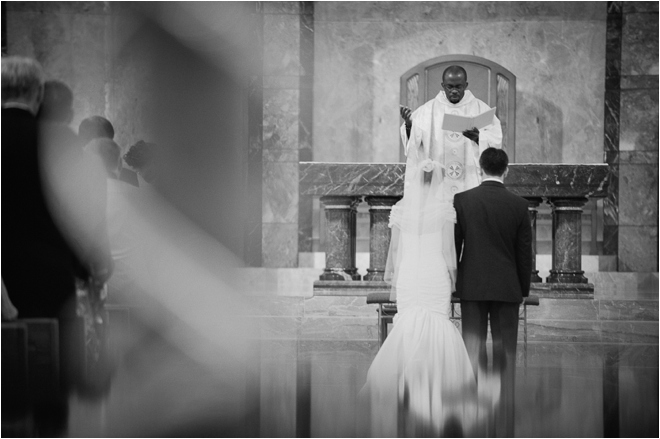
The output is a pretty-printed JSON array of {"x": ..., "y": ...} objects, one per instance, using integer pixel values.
[{"x": 457, "y": 153}]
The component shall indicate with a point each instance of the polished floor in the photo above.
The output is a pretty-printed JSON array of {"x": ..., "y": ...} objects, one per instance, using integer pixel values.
[{"x": 309, "y": 389}]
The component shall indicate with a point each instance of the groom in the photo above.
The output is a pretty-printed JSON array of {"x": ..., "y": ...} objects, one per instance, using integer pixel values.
[{"x": 494, "y": 246}]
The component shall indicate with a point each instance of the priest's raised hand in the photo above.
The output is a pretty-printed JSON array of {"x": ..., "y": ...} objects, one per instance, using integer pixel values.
[{"x": 472, "y": 134}]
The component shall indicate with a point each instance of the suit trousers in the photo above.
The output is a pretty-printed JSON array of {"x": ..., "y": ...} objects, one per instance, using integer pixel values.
[{"x": 504, "y": 330}]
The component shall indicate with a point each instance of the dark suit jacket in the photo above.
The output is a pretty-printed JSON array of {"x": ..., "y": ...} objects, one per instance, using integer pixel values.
[
  {"x": 494, "y": 244},
  {"x": 38, "y": 265}
]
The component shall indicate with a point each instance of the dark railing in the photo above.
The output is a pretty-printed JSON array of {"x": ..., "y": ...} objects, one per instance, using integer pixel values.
[{"x": 342, "y": 186}]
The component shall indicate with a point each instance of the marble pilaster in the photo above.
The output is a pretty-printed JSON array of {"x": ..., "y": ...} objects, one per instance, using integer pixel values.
[
  {"x": 379, "y": 235},
  {"x": 281, "y": 133},
  {"x": 631, "y": 141},
  {"x": 566, "y": 240},
  {"x": 612, "y": 125},
  {"x": 340, "y": 214},
  {"x": 639, "y": 117},
  {"x": 306, "y": 119},
  {"x": 280, "y": 246},
  {"x": 638, "y": 248},
  {"x": 253, "y": 232},
  {"x": 638, "y": 197}
]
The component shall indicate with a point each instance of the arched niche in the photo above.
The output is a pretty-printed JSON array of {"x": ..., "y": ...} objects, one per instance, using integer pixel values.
[{"x": 487, "y": 80}]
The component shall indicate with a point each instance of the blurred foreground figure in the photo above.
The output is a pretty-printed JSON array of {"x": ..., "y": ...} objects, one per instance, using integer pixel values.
[
  {"x": 41, "y": 260},
  {"x": 125, "y": 242},
  {"x": 182, "y": 339}
]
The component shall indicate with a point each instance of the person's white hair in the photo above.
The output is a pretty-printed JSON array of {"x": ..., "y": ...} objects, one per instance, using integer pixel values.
[{"x": 22, "y": 78}]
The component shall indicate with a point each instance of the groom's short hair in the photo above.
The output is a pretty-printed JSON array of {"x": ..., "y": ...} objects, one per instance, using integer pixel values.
[{"x": 494, "y": 161}]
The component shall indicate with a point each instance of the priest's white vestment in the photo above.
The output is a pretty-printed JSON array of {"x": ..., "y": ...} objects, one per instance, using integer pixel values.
[{"x": 455, "y": 153}]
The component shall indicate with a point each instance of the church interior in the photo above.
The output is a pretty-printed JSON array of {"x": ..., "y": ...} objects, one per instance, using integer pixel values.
[{"x": 278, "y": 127}]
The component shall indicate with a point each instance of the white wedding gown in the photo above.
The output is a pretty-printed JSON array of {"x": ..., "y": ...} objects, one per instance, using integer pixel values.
[{"x": 421, "y": 382}]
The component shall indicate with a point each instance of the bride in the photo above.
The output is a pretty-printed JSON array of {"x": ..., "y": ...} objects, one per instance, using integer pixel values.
[{"x": 421, "y": 382}]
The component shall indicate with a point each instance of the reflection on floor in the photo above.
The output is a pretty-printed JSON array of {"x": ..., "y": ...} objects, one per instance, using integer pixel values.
[
  {"x": 591, "y": 370},
  {"x": 309, "y": 389}
]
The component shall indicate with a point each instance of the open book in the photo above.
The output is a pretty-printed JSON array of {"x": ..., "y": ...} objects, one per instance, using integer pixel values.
[{"x": 453, "y": 122}]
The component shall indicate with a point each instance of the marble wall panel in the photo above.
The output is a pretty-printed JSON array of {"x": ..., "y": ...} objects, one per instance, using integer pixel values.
[
  {"x": 560, "y": 309},
  {"x": 297, "y": 282},
  {"x": 362, "y": 50},
  {"x": 630, "y": 7},
  {"x": 563, "y": 331},
  {"x": 276, "y": 306},
  {"x": 338, "y": 306},
  {"x": 629, "y": 332},
  {"x": 306, "y": 120},
  {"x": 93, "y": 7},
  {"x": 130, "y": 93},
  {"x": 275, "y": 282},
  {"x": 628, "y": 310},
  {"x": 281, "y": 8},
  {"x": 624, "y": 286},
  {"x": 638, "y": 248},
  {"x": 638, "y": 195},
  {"x": 281, "y": 44},
  {"x": 280, "y": 123},
  {"x": 458, "y": 11},
  {"x": 611, "y": 128},
  {"x": 359, "y": 350},
  {"x": 280, "y": 82},
  {"x": 71, "y": 46},
  {"x": 351, "y": 328},
  {"x": 277, "y": 328},
  {"x": 280, "y": 245},
  {"x": 280, "y": 192},
  {"x": 639, "y": 157},
  {"x": 639, "y": 81},
  {"x": 639, "y": 120},
  {"x": 639, "y": 55},
  {"x": 565, "y": 355}
]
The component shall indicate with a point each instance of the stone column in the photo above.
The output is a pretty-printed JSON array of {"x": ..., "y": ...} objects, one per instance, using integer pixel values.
[
  {"x": 566, "y": 240},
  {"x": 534, "y": 202},
  {"x": 379, "y": 235},
  {"x": 340, "y": 215}
]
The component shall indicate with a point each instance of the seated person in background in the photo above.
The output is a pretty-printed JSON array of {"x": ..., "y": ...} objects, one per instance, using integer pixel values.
[
  {"x": 125, "y": 242},
  {"x": 57, "y": 105},
  {"x": 97, "y": 127},
  {"x": 142, "y": 158},
  {"x": 54, "y": 116}
]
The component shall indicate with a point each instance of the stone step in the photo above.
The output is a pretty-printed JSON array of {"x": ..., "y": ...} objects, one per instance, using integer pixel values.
[{"x": 624, "y": 310}]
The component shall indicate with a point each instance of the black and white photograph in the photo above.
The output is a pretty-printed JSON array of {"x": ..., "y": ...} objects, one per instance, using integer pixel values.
[{"x": 330, "y": 219}]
